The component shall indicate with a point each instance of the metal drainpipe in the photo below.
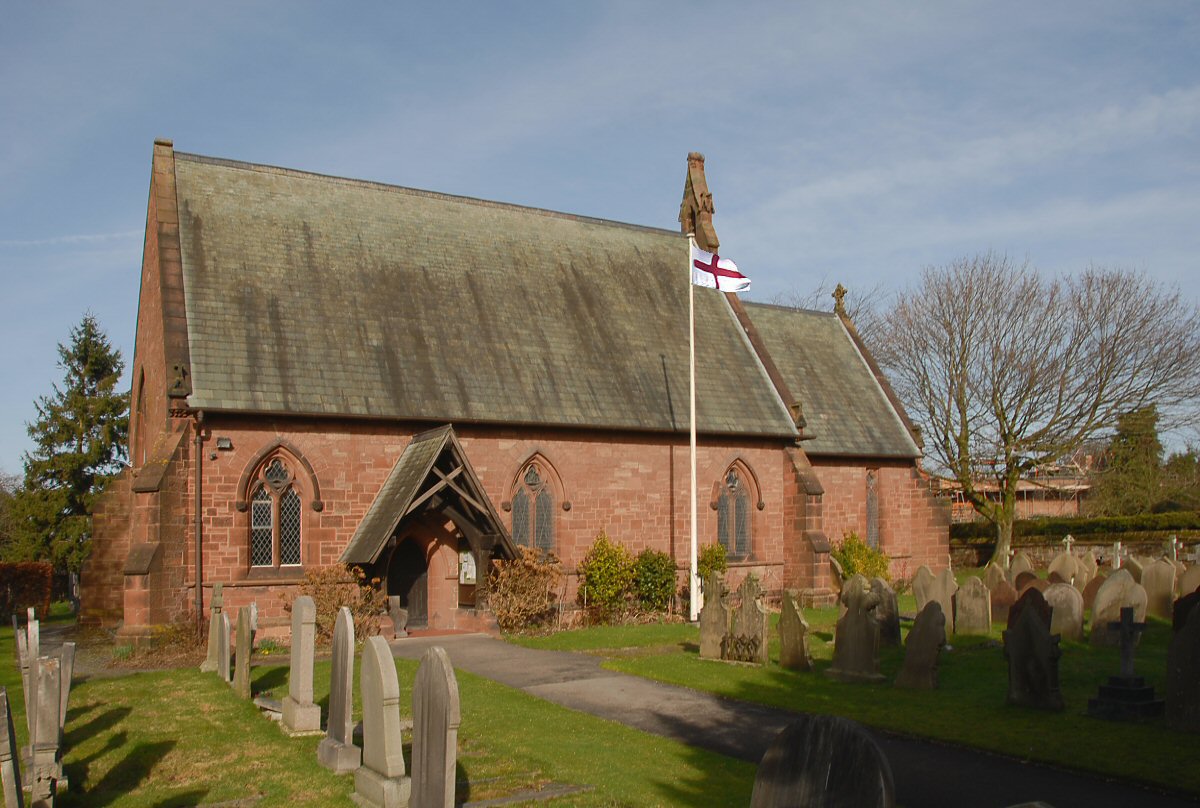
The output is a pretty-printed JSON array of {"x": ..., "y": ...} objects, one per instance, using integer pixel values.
[{"x": 199, "y": 523}]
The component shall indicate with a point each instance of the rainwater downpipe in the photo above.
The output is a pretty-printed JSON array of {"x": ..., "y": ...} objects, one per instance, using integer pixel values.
[{"x": 199, "y": 523}]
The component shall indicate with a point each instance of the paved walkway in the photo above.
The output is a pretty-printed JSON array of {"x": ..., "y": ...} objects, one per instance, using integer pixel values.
[{"x": 927, "y": 774}]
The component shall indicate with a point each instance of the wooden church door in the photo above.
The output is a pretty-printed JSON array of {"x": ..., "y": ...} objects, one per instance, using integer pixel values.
[{"x": 408, "y": 578}]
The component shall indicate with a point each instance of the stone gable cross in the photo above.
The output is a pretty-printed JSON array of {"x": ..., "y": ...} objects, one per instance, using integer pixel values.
[
  {"x": 1068, "y": 541},
  {"x": 1129, "y": 634},
  {"x": 1173, "y": 545}
]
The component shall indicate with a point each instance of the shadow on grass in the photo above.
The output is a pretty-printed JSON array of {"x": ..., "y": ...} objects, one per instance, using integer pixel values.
[
  {"x": 184, "y": 800},
  {"x": 268, "y": 679},
  {"x": 131, "y": 772},
  {"x": 78, "y": 733}
]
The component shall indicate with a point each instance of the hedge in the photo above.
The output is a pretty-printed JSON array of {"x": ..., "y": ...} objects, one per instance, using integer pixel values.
[
  {"x": 24, "y": 584},
  {"x": 1059, "y": 526}
]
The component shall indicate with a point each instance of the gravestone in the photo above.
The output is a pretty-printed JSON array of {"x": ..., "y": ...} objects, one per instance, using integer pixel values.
[
  {"x": 1115, "y": 556},
  {"x": 714, "y": 618},
  {"x": 1126, "y": 697},
  {"x": 10, "y": 764},
  {"x": 241, "y": 655},
  {"x": 943, "y": 590},
  {"x": 435, "y": 730},
  {"x": 993, "y": 574},
  {"x": 1158, "y": 579},
  {"x": 1093, "y": 586},
  {"x": 1067, "y": 604},
  {"x": 747, "y": 638},
  {"x": 1055, "y": 578},
  {"x": 1183, "y": 671},
  {"x": 856, "y": 637},
  {"x": 300, "y": 715},
  {"x": 380, "y": 782},
  {"x": 793, "y": 636},
  {"x": 1024, "y": 580},
  {"x": 922, "y": 585},
  {"x": 1032, "y": 655},
  {"x": 1088, "y": 567},
  {"x": 223, "y": 654},
  {"x": 1004, "y": 595},
  {"x": 1117, "y": 591},
  {"x": 1190, "y": 581},
  {"x": 1020, "y": 563},
  {"x": 823, "y": 760},
  {"x": 1134, "y": 568},
  {"x": 925, "y": 641},
  {"x": 887, "y": 613},
  {"x": 1063, "y": 565},
  {"x": 216, "y": 606},
  {"x": 337, "y": 751},
  {"x": 837, "y": 575},
  {"x": 45, "y": 739},
  {"x": 973, "y": 607},
  {"x": 1183, "y": 607}
]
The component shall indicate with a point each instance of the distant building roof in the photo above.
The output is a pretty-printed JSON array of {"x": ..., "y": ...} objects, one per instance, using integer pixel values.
[
  {"x": 309, "y": 294},
  {"x": 845, "y": 407}
]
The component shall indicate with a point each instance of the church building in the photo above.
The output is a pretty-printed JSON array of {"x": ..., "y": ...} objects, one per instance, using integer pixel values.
[{"x": 332, "y": 371}]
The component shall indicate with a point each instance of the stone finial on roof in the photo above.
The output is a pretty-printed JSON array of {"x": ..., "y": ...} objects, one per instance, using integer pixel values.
[
  {"x": 839, "y": 297},
  {"x": 696, "y": 210}
]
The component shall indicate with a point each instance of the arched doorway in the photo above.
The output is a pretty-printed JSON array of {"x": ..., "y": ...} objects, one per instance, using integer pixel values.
[{"x": 408, "y": 579}]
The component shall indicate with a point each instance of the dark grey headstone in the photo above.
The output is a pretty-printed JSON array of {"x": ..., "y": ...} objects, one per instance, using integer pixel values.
[
  {"x": 856, "y": 638},
  {"x": 925, "y": 642},
  {"x": 1183, "y": 670},
  {"x": 436, "y": 718},
  {"x": 887, "y": 613},
  {"x": 823, "y": 761},
  {"x": 1032, "y": 654}
]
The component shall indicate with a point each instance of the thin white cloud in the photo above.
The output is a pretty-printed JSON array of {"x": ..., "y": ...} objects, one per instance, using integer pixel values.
[{"x": 79, "y": 238}]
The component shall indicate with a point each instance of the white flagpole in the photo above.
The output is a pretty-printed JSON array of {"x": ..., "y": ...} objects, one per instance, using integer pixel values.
[{"x": 694, "y": 598}]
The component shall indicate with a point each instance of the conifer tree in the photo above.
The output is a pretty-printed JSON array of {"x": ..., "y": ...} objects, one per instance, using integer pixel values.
[
  {"x": 79, "y": 445},
  {"x": 1131, "y": 481}
]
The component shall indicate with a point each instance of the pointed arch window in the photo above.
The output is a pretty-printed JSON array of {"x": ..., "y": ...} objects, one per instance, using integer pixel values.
[
  {"x": 735, "y": 520},
  {"x": 275, "y": 517},
  {"x": 533, "y": 510}
]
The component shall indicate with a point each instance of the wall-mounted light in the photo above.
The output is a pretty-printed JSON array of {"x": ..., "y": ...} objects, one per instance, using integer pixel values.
[{"x": 224, "y": 444}]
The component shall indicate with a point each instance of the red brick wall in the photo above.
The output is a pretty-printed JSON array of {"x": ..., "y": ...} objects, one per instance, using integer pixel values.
[{"x": 913, "y": 523}]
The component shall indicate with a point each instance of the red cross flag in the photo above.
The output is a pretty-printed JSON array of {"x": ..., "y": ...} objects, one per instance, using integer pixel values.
[{"x": 715, "y": 272}]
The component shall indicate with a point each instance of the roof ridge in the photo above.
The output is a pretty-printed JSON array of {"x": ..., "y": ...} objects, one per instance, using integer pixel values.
[
  {"x": 785, "y": 307},
  {"x": 419, "y": 192}
]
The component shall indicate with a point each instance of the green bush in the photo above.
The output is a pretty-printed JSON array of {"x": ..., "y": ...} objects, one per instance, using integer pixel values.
[
  {"x": 521, "y": 594},
  {"x": 859, "y": 558},
  {"x": 710, "y": 559},
  {"x": 605, "y": 578},
  {"x": 654, "y": 580},
  {"x": 1054, "y": 528}
]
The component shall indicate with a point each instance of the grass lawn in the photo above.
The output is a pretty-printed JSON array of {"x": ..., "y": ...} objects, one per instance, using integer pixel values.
[
  {"x": 968, "y": 708},
  {"x": 179, "y": 737}
]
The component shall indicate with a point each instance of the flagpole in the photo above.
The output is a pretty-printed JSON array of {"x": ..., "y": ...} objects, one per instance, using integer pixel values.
[{"x": 694, "y": 597}]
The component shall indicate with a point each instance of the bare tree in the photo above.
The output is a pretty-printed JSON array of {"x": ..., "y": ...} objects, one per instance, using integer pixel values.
[
  {"x": 1006, "y": 370},
  {"x": 862, "y": 304}
]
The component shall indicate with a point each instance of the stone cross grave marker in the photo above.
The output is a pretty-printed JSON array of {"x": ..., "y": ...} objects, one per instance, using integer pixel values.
[
  {"x": 337, "y": 751},
  {"x": 436, "y": 718},
  {"x": 974, "y": 608},
  {"x": 1115, "y": 563},
  {"x": 887, "y": 613},
  {"x": 241, "y": 655},
  {"x": 1068, "y": 542},
  {"x": 1032, "y": 654},
  {"x": 45, "y": 740},
  {"x": 793, "y": 636},
  {"x": 823, "y": 760},
  {"x": 10, "y": 764},
  {"x": 856, "y": 637},
  {"x": 1172, "y": 547},
  {"x": 1126, "y": 697},
  {"x": 1158, "y": 579},
  {"x": 223, "y": 653},
  {"x": 925, "y": 642},
  {"x": 747, "y": 638},
  {"x": 381, "y": 782},
  {"x": 714, "y": 618},
  {"x": 300, "y": 715},
  {"x": 1183, "y": 666}
]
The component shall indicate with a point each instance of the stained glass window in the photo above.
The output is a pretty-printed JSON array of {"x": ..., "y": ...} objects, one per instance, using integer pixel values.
[
  {"x": 533, "y": 511},
  {"x": 735, "y": 521}
]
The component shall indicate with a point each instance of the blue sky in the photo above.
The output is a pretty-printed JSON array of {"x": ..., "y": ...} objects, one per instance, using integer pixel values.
[{"x": 851, "y": 142}]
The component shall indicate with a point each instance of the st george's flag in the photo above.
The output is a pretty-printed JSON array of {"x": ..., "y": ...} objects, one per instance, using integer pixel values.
[{"x": 714, "y": 272}]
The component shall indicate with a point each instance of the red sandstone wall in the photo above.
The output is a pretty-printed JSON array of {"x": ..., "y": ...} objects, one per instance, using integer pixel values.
[
  {"x": 102, "y": 580},
  {"x": 913, "y": 523}
]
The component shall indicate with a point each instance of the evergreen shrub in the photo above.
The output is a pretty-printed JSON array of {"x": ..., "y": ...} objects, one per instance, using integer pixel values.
[
  {"x": 859, "y": 558},
  {"x": 605, "y": 578},
  {"x": 522, "y": 590},
  {"x": 654, "y": 580},
  {"x": 24, "y": 584},
  {"x": 709, "y": 559}
]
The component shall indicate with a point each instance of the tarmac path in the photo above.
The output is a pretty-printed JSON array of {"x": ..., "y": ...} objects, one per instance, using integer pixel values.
[{"x": 927, "y": 774}]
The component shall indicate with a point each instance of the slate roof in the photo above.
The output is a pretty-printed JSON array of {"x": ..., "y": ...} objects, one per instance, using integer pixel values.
[
  {"x": 316, "y": 295},
  {"x": 847, "y": 411}
]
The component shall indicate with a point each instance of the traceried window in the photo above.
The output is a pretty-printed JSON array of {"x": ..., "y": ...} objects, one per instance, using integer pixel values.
[
  {"x": 734, "y": 517},
  {"x": 533, "y": 511},
  {"x": 275, "y": 516}
]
